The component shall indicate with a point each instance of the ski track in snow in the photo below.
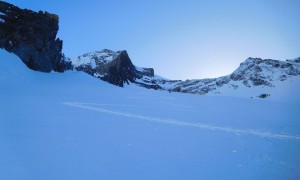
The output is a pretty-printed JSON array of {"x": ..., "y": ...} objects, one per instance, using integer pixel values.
[
  {"x": 186, "y": 108},
  {"x": 181, "y": 123}
]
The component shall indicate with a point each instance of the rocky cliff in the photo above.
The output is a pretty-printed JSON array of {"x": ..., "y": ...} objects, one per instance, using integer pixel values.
[{"x": 32, "y": 37}]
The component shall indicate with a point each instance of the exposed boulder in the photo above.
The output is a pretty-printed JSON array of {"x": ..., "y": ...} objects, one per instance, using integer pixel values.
[{"x": 32, "y": 37}]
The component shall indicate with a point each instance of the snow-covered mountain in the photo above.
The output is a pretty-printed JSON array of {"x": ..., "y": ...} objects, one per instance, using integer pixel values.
[
  {"x": 73, "y": 126},
  {"x": 114, "y": 67},
  {"x": 254, "y": 74},
  {"x": 261, "y": 76}
]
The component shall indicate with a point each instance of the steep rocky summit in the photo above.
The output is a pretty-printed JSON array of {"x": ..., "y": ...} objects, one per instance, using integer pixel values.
[
  {"x": 114, "y": 67},
  {"x": 32, "y": 37}
]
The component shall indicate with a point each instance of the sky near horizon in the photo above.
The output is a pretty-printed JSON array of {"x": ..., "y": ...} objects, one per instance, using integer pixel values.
[{"x": 180, "y": 39}]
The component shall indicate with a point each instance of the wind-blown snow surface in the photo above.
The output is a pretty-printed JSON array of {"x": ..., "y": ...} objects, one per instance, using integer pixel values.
[{"x": 73, "y": 126}]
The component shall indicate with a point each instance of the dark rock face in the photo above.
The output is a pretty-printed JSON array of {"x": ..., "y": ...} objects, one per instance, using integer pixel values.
[
  {"x": 32, "y": 37},
  {"x": 121, "y": 70}
]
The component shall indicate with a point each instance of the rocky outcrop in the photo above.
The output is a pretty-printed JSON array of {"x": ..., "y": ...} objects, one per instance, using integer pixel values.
[
  {"x": 114, "y": 67},
  {"x": 32, "y": 37}
]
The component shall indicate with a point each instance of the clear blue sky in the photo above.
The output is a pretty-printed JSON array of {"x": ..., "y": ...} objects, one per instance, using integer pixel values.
[{"x": 180, "y": 39}]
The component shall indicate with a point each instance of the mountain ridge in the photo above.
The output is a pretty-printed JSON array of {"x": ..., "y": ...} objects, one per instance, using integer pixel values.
[{"x": 32, "y": 37}]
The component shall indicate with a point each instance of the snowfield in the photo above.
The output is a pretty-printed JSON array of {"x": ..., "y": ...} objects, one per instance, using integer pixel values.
[{"x": 74, "y": 126}]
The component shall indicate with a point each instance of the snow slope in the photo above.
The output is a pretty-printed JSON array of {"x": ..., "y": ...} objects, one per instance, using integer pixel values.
[
  {"x": 89, "y": 59},
  {"x": 73, "y": 126}
]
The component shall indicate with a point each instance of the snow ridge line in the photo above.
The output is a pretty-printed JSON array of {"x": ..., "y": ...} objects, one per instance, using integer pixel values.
[{"x": 181, "y": 123}]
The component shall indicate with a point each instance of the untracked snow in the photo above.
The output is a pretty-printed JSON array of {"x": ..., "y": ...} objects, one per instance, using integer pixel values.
[
  {"x": 91, "y": 58},
  {"x": 73, "y": 126}
]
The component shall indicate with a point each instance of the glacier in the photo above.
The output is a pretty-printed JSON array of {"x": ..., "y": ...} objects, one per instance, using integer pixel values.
[{"x": 73, "y": 126}]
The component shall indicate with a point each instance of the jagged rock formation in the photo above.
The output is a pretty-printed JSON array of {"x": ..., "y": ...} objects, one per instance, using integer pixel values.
[
  {"x": 113, "y": 67},
  {"x": 32, "y": 37}
]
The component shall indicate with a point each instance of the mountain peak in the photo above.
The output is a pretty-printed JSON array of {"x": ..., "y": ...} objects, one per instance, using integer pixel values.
[{"x": 114, "y": 67}]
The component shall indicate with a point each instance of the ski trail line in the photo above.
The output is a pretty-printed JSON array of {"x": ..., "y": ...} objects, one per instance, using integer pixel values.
[{"x": 181, "y": 123}]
